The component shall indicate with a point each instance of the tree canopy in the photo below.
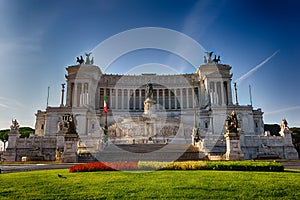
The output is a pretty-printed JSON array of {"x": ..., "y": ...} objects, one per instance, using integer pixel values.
[{"x": 24, "y": 132}]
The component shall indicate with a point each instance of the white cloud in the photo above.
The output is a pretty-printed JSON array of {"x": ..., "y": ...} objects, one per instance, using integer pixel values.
[
  {"x": 283, "y": 110},
  {"x": 239, "y": 80},
  {"x": 8, "y": 103}
]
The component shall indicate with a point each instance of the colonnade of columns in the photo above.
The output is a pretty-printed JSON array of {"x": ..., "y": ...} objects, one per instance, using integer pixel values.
[
  {"x": 78, "y": 94},
  {"x": 220, "y": 93},
  {"x": 133, "y": 99}
]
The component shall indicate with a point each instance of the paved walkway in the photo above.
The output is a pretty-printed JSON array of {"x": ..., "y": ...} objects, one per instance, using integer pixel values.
[
  {"x": 291, "y": 165},
  {"x": 8, "y": 168}
]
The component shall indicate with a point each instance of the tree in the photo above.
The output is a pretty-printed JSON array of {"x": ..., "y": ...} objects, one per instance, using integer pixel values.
[
  {"x": 273, "y": 128},
  {"x": 4, "y": 136},
  {"x": 24, "y": 133}
]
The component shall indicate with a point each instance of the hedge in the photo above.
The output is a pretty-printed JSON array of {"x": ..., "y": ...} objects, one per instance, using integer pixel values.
[{"x": 187, "y": 165}]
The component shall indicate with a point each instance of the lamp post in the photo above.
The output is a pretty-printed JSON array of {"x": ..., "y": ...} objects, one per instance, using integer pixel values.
[
  {"x": 105, "y": 128},
  {"x": 196, "y": 136}
]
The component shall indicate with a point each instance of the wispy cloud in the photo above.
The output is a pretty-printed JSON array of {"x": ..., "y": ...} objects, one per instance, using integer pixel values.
[
  {"x": 239, "y": 80},
  {"x": 282, "y": 110},
  {"x": 8, "y": 103}
]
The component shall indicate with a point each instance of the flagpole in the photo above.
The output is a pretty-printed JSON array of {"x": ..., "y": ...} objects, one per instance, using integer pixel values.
[
  {"x": 105, "y": 110},
  {"x": 48, "y": 96}
]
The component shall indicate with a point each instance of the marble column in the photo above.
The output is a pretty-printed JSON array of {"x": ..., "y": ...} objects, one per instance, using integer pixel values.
[
  {"x": 81, "y": 95},
  {"x": 122, "y": 99},
  {"x": 134, "y": 98},
  {"x": 164, "y": 104},
  {"x": 187, "y": 98},
  {"x": 181, "y": 99},
  {"x": 69, "y": 94},
  {"x": 215, "y": 93},
  {"x": 128, "y": 99},
  {"x": 222, "y": 93},
  {"x": 229, "y": 93},
  {"x": 117, "y": 98},
  {"x": 169, "y": 94},
  {"x": 110, "y": 98},
  {"x": 157, "y": 98},
  {"x": 140, "y": 99},
  {"x": 75, "y": 95},
  {"x": 175, "y": 99}
]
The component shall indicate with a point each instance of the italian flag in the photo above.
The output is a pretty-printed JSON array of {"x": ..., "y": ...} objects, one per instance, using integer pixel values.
[{"x": 105, "y": 110}]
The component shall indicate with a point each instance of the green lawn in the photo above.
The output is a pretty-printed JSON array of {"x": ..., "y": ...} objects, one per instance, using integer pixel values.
[{"x": 145, "y": 185}]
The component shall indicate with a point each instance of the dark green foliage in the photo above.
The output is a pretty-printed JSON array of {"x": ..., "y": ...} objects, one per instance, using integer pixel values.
[
  {"x": 4, "y": 136},
  {"x": 25, "y": 131},
  {"x": 296, "y": 138},
  {"x": 273, "y": 128}
]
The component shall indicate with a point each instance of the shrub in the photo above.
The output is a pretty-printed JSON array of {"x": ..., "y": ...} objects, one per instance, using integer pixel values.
[
  {"x": 187, "y": 165},
  {"x": 104, "y": 166},
  {"x": 152, "y": 165}
]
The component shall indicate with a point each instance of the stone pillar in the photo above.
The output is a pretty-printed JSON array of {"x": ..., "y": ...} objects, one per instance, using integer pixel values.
[
  {"x": 169, "y": 95},
  {"x": 82, "y": 95},
  {"x": 222, "y": 94},
  {"x": 140, "y": 99},
  {"x": 229, "y": 93},
  {"x": 11, "y": 151},
  {"x": 117, "y": 98},
  {"x": 187, "y": 98},
  {"x": 181, "y": 99},
  {"x": 175, "y": 99},
  {"x": 157, "y": 98},
  {"x": 110, "y": 99},
  {"x": 69, "y": 94},
  {"x": 122, "y": 99},
  {"x": 87, "y": 94},
  {"x": 215, "y": 93},
  {"x": 75, "y": 95},
  {"x": 233, "y": 147},
  {"x": 70, "y": 149},
  {"x": 134, "y": 98},
  {"x": 164, "y": 98},
  {"x": 289, "y": 152}
]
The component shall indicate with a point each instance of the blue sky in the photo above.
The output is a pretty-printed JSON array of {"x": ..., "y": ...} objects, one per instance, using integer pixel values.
[{"x": 38, "y": 39}]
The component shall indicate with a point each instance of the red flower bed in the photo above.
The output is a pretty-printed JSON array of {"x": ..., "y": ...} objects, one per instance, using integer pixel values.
[{"x": 104, "y": 166}]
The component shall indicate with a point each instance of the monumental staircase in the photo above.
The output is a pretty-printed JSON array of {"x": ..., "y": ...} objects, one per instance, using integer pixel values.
[{"x": 143, "y": 152}]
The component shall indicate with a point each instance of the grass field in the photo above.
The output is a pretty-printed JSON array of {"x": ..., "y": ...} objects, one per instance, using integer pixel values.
[{"x": 144, "y": 185}]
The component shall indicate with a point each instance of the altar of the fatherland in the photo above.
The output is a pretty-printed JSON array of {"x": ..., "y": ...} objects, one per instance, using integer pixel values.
[{"x": 119, "y": 117}]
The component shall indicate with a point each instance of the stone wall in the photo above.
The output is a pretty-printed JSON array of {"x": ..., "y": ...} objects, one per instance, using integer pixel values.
[{"x": 34, "y": 148}]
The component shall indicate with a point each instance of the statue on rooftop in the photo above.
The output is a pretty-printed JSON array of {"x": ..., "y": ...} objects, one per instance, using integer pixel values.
[
  {"x": 149, "y": 89},
  {"x": 80, "y": 60},
  {"x": 14, "y": 128},
  {"x": 87, "y": 60},
  {"x": 208, "y": 58},
  {"x": 216, "y": 60}
]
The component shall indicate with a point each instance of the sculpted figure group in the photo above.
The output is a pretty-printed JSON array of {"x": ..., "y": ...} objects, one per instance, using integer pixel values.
[{"x": 208, "y": 58}]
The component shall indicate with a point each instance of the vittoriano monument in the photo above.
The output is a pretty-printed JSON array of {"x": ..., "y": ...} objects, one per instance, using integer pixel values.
[{"x": 154, "y": 110}]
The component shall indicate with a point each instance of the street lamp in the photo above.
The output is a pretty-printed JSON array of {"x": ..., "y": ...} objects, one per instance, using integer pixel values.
[{"x": 196, "y": 136}]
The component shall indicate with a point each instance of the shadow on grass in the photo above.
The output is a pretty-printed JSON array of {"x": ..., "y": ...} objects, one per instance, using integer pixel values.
[{"x": 297, "y": 171}]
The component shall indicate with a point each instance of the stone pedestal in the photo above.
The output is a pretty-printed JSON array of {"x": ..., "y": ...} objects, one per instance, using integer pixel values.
[
  {"x": 290, "y": 152},
  {"x": 70, "y": 149},
  {"x": 11, "y": 152},
  {"x": 233, "y": 147},
  {"x": 149, "y": 106}
]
